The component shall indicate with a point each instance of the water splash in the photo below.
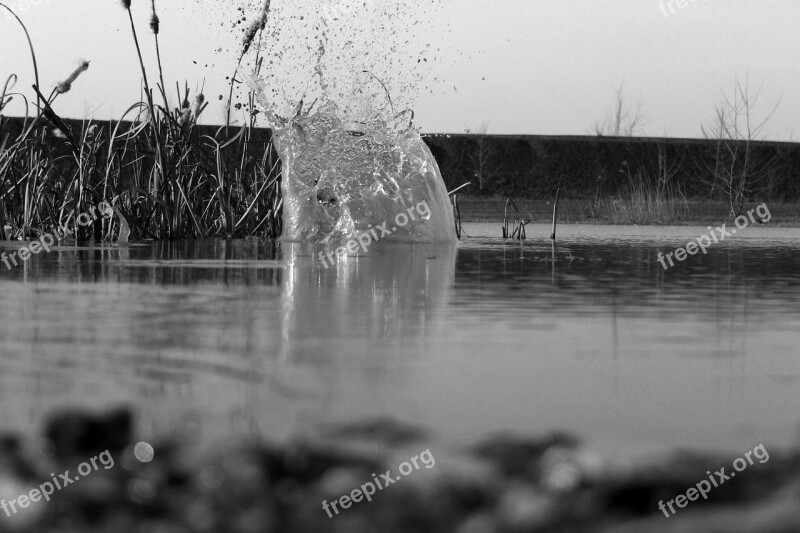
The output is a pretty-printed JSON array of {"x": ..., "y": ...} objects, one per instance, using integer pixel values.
[
  {"x": 342, "y": 179},
  {"x": 318, "y": 49},
  {"x": 354, "y": 163}
]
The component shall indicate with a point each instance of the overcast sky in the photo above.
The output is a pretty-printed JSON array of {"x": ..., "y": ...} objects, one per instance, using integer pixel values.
[{"x": 515, "y": 66}]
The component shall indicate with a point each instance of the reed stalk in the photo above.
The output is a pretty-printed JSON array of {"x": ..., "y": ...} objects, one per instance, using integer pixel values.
[
  {"x": 30, "y": 45},
  {"x": 555, "y": 215}
]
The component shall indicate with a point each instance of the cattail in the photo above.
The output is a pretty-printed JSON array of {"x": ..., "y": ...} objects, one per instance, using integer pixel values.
[
  {"x": 155, "y": 22},
  {"x": 258, "y": 25},
  {"x": 126, "y": 4},
  {"x": 186, "y": 114},
  {"x": 66, "y": 85},
  {"x": 197, "y": 108}
]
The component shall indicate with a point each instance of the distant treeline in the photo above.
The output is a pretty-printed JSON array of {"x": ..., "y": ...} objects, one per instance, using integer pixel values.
[{"x": 592, "y": 166}]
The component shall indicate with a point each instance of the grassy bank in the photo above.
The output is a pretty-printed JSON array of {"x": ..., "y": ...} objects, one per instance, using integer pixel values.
[{"x": 572, "y": 211}]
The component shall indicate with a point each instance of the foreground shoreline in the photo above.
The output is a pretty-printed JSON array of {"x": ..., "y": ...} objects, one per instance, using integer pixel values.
[{"x": 507, "y": 483}]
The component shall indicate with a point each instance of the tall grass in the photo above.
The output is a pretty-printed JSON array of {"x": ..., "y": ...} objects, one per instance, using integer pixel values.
[
  {"x": 646, "y": 201},
  {"x": 165, "y": 176}
]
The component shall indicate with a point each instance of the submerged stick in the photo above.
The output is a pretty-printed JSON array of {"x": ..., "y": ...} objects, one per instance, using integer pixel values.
[
  {"x": 522, "y": 234},
  {"x": 555, "y": 215},
  {"x": 456, "y": 209},
  {"x": 456, "y": 215},
  {"x": 451, "y": 193},
  {"x": 505, "y": 220},
  {"x": 505, "y": 217}
]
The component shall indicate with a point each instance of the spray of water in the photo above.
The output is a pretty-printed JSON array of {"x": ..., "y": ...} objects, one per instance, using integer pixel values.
[{"x": 337, "y": 85}]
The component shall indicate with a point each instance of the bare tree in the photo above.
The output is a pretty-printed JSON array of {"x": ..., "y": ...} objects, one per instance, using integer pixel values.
[
  {"x": 483, "y": 162},
  {"x": 667, "y": 166},
  {"x": 733, "y": 167},
  {"x": 623, "y": 121}
]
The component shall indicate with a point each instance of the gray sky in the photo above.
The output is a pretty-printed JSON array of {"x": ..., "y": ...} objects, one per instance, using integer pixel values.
[{"x": 516, "y": 66}]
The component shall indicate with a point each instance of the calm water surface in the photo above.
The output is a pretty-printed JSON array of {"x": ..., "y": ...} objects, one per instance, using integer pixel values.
[{"x": 220, "y": 340}]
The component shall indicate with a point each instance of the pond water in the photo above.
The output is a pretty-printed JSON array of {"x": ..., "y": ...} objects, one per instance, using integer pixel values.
[{"x": 218, "y": 340}]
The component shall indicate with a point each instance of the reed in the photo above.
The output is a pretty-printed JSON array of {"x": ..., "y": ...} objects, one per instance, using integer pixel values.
[
  {"x": 256, "y": 28},
  {"x": 646, "y": 201},
  {"x": 555, "y": 216},
  {"x": 515, "y": 230},
  {"x": 165, "y": 177}
]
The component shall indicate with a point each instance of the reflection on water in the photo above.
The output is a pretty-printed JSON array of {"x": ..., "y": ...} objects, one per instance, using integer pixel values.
[{"x": 217, "y": 340}]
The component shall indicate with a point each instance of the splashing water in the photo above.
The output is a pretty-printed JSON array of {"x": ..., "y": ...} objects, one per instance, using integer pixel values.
[
  {"x": 342, "y": 180},
  {"x": 353, "y": 164}
]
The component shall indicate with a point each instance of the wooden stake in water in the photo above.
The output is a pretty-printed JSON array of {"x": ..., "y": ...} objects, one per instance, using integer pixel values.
[
  {"x": 457, "y": 215},
  {"x": 451, "y": 193},
  {"x": 555, "y": 215},
  {"x": 456, "y": 209}
]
